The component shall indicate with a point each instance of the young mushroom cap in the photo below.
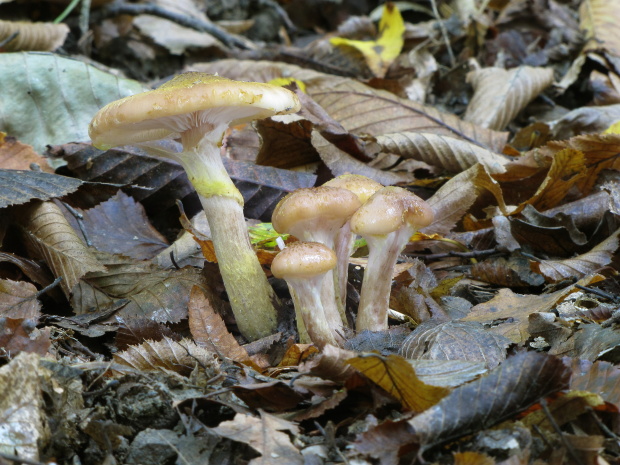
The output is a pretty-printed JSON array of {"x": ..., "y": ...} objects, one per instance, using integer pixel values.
[
  {"x": 316, "y": 214},
  {"x": 304, "y": 266},
  {"x": 386, "y": 221},
  {"x": 197, "y": 108},
  {"x": 364, "y": 188}
]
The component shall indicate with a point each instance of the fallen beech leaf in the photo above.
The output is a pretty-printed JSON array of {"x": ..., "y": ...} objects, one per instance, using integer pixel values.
[
  {"x": 387, "y": 442},
  {"x": 18, "y": 187},
  {"x": 585, "y": 120},
  {"x": 601, "y": 378},
  {"x": 452, "y": 155},
  {"x": 208, "y": 328},
  {"x": 581, "y": 265},
  {"x": 396, "y": 376},
  {"x": 514, "y": 272},
  {"x": 120, "y": 226},
  {"x": 340, "y": 162},
  {"x": 499, "y": 94},
  {"x": 18, "y": 299},
  {"x": 21, "y": 407},
  {"x": 268, "y": 435},
  {"x": 513, "y": 386},
  {"x": 455, "y": 340},
  {"x": 330, "y": 363},
  {"x": 380, "y": 53},
  {"x": 454, "y": 198},
  {"x": 17, "y": 156},
  {"x": 168, "y": 355},
  {"x": 153, "y": 292},
  {"x": 274, "y": 396},
  {"x": 21, "y": 335},
  {"x": 600, "y": 20},
  {"x": 50, "y": 235},
  {"x": 44, "y": 37},
  {"x": 447, "y": 373},
  {"x": 285, "y": 144}
]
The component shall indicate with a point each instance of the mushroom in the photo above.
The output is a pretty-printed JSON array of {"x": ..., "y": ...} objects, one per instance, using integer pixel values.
[
  {"x": 387, "y": 220},
  {"x": 363, "y": 187},
  {"x": 315, "y": 215},
  {"x": 198, "y": 108},
  {"x": 304, "y": 266}
]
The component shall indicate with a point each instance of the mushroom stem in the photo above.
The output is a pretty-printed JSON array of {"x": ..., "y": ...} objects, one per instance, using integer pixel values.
[
  {"x": 307, "y": 300},
  {"x": 251, "y": 297},
  {"x": 345, "y": 242},
  {"x": 383, "y": 252}
]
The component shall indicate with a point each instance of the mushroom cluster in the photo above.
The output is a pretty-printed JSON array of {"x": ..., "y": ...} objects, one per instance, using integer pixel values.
[{"x": 327, "y": 218}]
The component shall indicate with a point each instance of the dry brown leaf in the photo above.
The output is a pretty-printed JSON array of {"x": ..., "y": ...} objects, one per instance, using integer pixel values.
[
  {"x": 174, "y": 37},
  {"x": 499, "y": 94},
  {"x": 454, "y": 198},
  {"x": 601, "y": 378},
  {"x": 507, "y": 313},
  {"x": 20, "y": 335},
  {"x": 511, "y": 387},
  {"x": 169, "y": 356},
  {"x": 268, "y": 435},
  {"x": 364, "y": 110},
  {"x": 581, "y": 265},
  {"x": 396, "y": 376},
  {"x": 285, "y": 144},
  {"x": 52, "y": 238},
  {"x": 18, "y": 299},
  {"x": 209, "y": 330},
  {"x": 340, "y": 162},
  {"x": 455, "y": 340},
  {"x": 44, "y": 37},
  {"x": 600, "y": 19},
  {"x": 585, "y": 120},
  {"x": 451, "y": 154},
  {"x": 331, "y": 363},
  {"x": 17, "y": 156}
]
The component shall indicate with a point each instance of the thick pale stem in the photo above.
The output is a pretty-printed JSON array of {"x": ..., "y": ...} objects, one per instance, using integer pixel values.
[
  {"x": 307, "y": 299},
  {"x": 251, "y": 297},
  {"x": 377, "y": 283}
]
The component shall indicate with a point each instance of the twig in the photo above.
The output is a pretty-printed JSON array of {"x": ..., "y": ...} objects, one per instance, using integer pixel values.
[
  {"x": 444, "y": 33},
  {"x": 472, "y": 254},
  {"x": 569, "y": 447},
  {"x": 79, "y": 218},
  {"x": 9, "y": 39},
  {"x": 116, "y": 9},
  {"x": 598, "y": 292}
]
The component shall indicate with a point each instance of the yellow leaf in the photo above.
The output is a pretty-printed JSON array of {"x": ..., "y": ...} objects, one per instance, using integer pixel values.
[
  {"x": 613, "y": 129},
  {"x": 396, "y": 376},
  {"x": 380, "y": 53}
]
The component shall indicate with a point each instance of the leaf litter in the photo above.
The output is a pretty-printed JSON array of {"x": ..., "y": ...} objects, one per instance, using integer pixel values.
[{"x": 117, "y": 339}]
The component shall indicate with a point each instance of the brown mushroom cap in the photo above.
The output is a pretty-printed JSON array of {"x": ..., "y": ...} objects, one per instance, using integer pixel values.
[
  {"x": 388, "y": 210},
  {"x": 313, "y": 207},
  {"x": 360, "y": 185},
  {"x": 302, "y": 260},
  {"x": 187, "y": 101}
]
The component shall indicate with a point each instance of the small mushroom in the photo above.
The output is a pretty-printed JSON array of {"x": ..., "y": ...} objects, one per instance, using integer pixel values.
[
  {"x": 363, "y": 187},
  {"x": 304, "y": 266},
  {"x": 197, "y": 108},
  {"x": 315, "y": 215},
  {"x": 387, "y": 220}
]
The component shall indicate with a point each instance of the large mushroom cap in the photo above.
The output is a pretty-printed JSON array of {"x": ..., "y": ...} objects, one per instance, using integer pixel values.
[
  {"x": 302, "y": 260},
  {"x": 189, "y": 100},
  {"x": 314, "y": 207},
  {"x": 388, "y": 210}
]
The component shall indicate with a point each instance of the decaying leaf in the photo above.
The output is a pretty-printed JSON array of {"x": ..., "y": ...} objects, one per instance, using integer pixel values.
[
  {"x": 499, "y": 94},
  {"x": 21, "y": 335},
  {"x": 45, "y": 37},
  {"x": 396, "y": 376},
  {"x": 15, "y": 155},
  {"x": 268, "y": 435},
  {"x": 452, "y": 155},
  {"x": 167, "y": 355},
  {"x": 513, "y": 386},
  {"x": 21, "y": 408},
  {"x": 18, "y": 300},
  {"x": 53, "y": 239},
  {"x": 600, "y": 19},
  {"x": 601, "y": 378},
  {"x": 581, "y": 265},
  {"x": 208, "y": 329},
  {"x": 18, "y": 187},
  {"x": 455, "y": 340}
]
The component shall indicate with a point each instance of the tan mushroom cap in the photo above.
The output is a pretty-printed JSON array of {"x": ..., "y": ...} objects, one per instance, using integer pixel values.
[
  {"x": 187, "y": 101},
  {"x": 388, "y": 210},
  {"x": 307, "y": 205},
  {"x": 302, "y": 260},
  {"x": 360, "y": 185}
]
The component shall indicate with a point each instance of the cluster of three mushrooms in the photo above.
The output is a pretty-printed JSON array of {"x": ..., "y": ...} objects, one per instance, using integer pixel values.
[{"x": 329, "y": 216}]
